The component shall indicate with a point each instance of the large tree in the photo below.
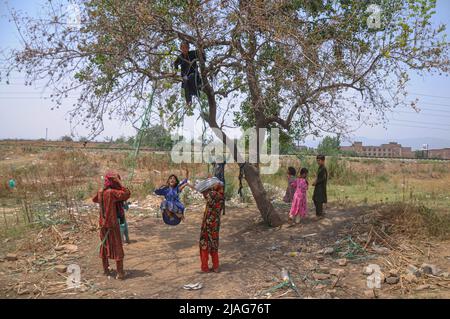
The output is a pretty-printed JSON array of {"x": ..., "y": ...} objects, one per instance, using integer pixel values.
[
  {"x": 297, "y": 65},
  {"x": 329, "y": 145}
]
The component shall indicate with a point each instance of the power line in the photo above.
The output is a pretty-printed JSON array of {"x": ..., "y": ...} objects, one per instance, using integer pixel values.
[
  {"x": 421, "y": 109},
  {"x": 428, "y": 95},
  {"x": 425, "y": 124},
  {"x": 427, "y": 109},
  {"x": 18, "y": 92},
  {"x": 430, "y": 103},
  {"x": 424, "y": 127},
  {"x": 34, "y": 98},
  {"x": 424, "y": 114},
  {"x": 418, "y": 122}
]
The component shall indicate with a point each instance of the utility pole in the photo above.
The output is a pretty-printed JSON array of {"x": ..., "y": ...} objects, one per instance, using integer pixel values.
[
  {"x": 46, "y": 133},
  {"x": 425, "y": 150}
]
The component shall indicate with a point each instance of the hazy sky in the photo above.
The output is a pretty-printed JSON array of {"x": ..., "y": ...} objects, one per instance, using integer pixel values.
[{"x": 26, "y": 114}]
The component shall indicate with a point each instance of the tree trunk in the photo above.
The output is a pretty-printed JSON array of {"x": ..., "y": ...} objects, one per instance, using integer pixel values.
[
  {"x": 251, "y": 172},
  {"x": 265, "y": 207}
]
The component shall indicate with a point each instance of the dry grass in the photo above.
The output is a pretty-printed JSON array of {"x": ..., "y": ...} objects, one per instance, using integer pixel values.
[
  {"x": 416, "y": 221},
  {"x": 53, "y": 184}
]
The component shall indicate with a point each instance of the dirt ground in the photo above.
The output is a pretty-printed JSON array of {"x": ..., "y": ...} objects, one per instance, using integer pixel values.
[{"x": 161, "y": 259}]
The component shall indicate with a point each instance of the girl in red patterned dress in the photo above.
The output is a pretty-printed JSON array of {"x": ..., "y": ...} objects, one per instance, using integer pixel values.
[{"x": 209, "y": 234}]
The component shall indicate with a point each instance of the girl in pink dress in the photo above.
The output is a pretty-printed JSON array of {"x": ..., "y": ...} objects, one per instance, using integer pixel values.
[{"x": 299, "y": 206}]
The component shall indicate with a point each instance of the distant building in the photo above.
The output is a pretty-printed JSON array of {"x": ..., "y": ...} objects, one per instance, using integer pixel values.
[
  {"x": 393, "y": 149},
  {"x": 443, "y": 153}
]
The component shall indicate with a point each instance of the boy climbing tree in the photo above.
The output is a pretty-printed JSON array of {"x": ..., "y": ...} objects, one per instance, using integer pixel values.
[{"x": 189, "y": 71}]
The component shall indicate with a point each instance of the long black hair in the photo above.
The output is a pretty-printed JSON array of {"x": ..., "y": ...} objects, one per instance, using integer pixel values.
[
  {"x": 176, "y": 179},
  {"x": 292, "y": 171},
  {"x": 304, "y": 170}
]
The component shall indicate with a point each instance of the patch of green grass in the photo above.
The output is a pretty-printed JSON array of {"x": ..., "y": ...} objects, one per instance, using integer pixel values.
[{"x": 17, "y": 231}]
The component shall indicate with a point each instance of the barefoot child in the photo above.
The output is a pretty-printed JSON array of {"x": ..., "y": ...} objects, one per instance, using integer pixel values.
[
  {"x": 299, "y": 206},
  {"x": 290, "y": 190},
  {"x": 171, "y": 207}
]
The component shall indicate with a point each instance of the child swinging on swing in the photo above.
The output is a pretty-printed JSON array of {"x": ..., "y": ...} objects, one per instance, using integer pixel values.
[{"x": 171, "y": 207}]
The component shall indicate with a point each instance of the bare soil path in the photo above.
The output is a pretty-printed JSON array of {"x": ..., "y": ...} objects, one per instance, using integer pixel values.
[{"x": 161, "y": 259}]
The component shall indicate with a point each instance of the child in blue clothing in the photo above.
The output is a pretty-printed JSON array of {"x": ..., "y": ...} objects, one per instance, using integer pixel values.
[
  {"x": 123, "y": 224},
  {"x": 171, "y": 207}
]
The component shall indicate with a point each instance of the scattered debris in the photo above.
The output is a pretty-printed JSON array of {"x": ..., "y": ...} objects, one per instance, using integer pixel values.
[
  {"x": 61, "y": 268},
  {"x": 320, "y": 286},
  {"x": 349, "y": 249},
  {"x": 413, "y": 270},
  {"x": 284, "y": 274},
  {"x": 195, "y": 286},
  {"x": 337, "y": 272},
  {"x": 430, "y": 269},
  {"x": 342, "y": 262},
  {"x": 11, "y": 257},
  {"x": 321, "y": 276},
  {"x": 392, "y": 280},
  {"x": 327, "y": 251},
  {"x": 422, "y": 287},
  {"x": 393, "y": 273},
  {"x": 323, "y": 270},
  {"x": 23, "y": 292},
  {"x": 368, "y": 270},
  {"x": 380, "y": 250},
  {"x": 274, "y": 247},
  {"x": 287, "y": 282},
  {"x": 67, "y": 248},
  {"x": 292, "y": 254},
  {"x": 410, "y": 278},
  {"x": 309, "y": 235}
]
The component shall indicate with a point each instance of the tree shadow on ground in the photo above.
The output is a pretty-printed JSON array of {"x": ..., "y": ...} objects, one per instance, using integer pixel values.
[{"x": 137, "y": 273}]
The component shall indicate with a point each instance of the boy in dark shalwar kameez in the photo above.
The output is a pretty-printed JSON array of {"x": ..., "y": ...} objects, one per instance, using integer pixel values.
[
  {"x": 320, "y": 186},
  {"x": 189, "y": 71},
  {"x": 110, "y": 199}
]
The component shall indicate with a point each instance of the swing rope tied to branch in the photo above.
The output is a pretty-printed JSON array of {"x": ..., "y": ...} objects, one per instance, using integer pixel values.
[{"x": 140, "y": 134}]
